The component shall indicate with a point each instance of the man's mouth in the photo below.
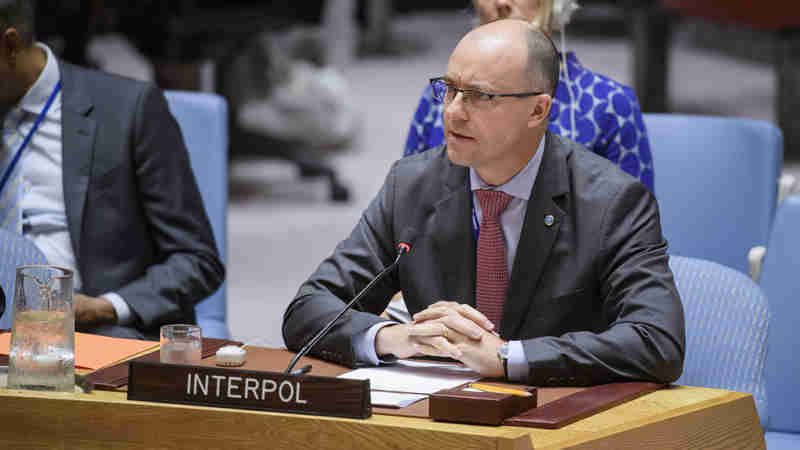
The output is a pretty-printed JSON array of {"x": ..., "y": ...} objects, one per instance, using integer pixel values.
[{"x": 457, "y": 135}]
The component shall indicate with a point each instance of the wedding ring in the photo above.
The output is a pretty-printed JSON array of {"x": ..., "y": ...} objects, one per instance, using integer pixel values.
[{"x": 445, "y": 333}]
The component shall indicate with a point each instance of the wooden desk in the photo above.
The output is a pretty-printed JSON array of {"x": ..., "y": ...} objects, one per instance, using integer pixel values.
[
  {"x": 681, "y": 417},
  {"x": 678, "y": 417}
]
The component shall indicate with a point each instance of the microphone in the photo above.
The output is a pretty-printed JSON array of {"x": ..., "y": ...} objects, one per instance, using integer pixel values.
[
  {"x": 408, "y": 236},
  {"x": 2, "y": 302}
]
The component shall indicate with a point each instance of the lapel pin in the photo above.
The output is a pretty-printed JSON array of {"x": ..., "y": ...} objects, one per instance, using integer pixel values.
[{"x": 549, "y": 220}]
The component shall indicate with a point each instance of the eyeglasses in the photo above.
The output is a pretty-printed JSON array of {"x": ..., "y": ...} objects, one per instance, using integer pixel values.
[{"x": 445, "y": 92}]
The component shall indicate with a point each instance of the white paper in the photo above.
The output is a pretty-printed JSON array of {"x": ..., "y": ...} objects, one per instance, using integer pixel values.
[
  {"x": 414, "y": 377},
  {"x": 394, "y": 399}
]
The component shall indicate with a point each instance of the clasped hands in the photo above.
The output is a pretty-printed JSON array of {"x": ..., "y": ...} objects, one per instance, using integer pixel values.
[{"x": 447, "y": 329}]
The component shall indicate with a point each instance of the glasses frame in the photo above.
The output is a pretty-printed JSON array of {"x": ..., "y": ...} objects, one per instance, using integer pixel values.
[{"x": 490, "y": 96}]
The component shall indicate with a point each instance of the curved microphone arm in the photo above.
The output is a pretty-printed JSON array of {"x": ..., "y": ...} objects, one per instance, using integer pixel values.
[{"x": 404, "y": 248}]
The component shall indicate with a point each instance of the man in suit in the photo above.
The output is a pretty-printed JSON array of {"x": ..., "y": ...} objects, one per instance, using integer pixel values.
[
  {"x": 535, "y": 259},
  {"x": 103, "y": 186}
]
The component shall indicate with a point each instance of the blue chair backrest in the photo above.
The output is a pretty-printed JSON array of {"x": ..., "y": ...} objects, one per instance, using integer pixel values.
[
  {"x": 203, "y": 119},
  {"x": 716, "y": 184},
  {"x": 780, "y": 280},
  {"x": 727, "y": 320},
  {"x": 15, "y": 251}
]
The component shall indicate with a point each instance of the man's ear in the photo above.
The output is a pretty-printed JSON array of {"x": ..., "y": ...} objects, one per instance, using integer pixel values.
[{"x": 540, "y": 112}]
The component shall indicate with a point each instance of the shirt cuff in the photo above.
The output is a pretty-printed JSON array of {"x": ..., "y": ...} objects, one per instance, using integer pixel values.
[
  {"x": 517, "y": 362},
  {"x": 124, "y": 315},
  {"x": 364, "y": 344}
]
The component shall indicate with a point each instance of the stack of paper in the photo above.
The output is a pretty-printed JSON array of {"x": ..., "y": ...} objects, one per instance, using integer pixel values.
[{"x": 407, "y": 381}]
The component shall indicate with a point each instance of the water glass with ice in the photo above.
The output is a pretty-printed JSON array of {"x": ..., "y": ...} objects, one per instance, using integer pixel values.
[{"x": 42, "y": 354}]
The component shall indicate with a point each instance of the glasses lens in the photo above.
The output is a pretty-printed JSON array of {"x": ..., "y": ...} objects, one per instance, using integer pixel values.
[{"x": 439, "y": 90}]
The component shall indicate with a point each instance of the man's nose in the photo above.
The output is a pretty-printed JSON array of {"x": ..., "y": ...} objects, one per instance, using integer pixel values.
[
  {"x": 456, "y": 108},
  {"x": 503, "y": 8}
]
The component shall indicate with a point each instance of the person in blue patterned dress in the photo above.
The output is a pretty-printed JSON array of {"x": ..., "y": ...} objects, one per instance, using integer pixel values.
[{"x": 590, "y": 108}]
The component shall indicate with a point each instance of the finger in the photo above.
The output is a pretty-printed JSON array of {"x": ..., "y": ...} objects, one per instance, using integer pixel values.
[
  {"x": 428, "y": 329},
  {"x": 437, "y": 346},
  {"x": 444, "y": 303},
  {"x": 433, "y": 313},
  {"x": 463, "y": 326},
  {"x": 455, "y": 309},
  {"x": 476, "y": 316},
  {"x": 428, "y": 350}
]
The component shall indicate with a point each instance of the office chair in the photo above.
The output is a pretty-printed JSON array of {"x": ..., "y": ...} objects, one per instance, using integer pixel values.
[
  {"x": 780, "y": 282},
  {"x": 203, "y": 119},
  {"x": 716, "y": 181},
  {"x": 727, "y": 320},
  {"x": 15, "y": 251}
]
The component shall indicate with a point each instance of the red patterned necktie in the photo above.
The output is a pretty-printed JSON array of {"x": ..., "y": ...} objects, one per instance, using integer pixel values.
[{"x": 491, "y": 280}]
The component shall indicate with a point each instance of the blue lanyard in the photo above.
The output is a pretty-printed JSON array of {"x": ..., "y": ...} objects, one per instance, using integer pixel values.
[{"x": 27, "y": 139}]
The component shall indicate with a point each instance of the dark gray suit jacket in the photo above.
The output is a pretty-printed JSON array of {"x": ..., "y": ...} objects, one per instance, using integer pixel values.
[
  {"x": 134, "y": 212},
  {"x": 591, "y": 297}
]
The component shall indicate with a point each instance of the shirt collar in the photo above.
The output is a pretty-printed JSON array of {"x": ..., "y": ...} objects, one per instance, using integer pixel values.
[
  {"x": 521, "y": 184},
  {"x": 36, "y": 98}
]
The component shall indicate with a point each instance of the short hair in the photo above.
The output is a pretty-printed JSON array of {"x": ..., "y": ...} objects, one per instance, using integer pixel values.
[
  {"x": 543, "y": 65},
  {"x": 18, "y": 14}
]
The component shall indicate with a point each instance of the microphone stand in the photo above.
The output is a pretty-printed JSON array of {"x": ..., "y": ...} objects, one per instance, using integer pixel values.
[{"x": 404, "y": 248}]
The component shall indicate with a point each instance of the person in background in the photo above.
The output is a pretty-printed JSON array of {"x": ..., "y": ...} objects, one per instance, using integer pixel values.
[
  {"x": 534, "y": 260},
  {"x": 589, "y": 108},
  {"x": 94, "y": 171}
]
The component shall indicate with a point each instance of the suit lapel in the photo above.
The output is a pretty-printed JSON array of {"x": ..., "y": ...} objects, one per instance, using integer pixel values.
[
  {"x": 454, "y": 241},
  {"x": 77, "y": 133},
  {"x": 537, "y": 238}
]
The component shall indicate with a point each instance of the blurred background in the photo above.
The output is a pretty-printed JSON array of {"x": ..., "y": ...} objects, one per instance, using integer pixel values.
[{"x": 321, "y": 95}]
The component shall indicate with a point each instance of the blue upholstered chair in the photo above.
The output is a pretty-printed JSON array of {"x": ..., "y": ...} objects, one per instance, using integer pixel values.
[
  {"x": 780, "y": 280},
  {"x": 727, "y": 319},
  {"x": 203, "y": 119},
  {"x": 15, "y": 251},
  {"x": 716, "y": 184}
]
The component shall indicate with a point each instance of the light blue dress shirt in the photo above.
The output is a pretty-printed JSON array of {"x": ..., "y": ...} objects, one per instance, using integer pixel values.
[{"x": 44, "y": 217}]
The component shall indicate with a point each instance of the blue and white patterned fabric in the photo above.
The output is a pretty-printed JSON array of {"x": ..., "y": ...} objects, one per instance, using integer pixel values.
[
  {"x": 15, "y": 251},
  {"x": 727, "y": 322},
  {"x": 608, "y": 121}
]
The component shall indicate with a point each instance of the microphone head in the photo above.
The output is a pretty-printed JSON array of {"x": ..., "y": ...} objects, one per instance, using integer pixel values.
[
  {"x": 407, "y": 238},
  {"x": 2, "y": 301}
]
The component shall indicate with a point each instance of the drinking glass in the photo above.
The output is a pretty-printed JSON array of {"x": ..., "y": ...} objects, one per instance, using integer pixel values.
[
  {"x": 181, "y": 344},
  {"x": 42, "y": 355}
]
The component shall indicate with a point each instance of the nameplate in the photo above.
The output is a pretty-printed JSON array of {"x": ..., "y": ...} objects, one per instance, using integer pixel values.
[{"x": 248, "y": 389}]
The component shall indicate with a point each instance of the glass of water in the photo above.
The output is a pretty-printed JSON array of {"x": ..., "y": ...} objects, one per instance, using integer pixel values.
[
  {"x": 42, "y": 355},
  {"x": 181, "y": 344}
]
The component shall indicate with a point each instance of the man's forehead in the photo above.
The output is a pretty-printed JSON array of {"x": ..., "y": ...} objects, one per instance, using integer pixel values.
[{"x": 487, "y": 67}]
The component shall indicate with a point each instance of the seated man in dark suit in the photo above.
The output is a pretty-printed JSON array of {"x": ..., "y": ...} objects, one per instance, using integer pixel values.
[
  {"x": 535, "y": 259},
  {"x": 102, "y": 186}
]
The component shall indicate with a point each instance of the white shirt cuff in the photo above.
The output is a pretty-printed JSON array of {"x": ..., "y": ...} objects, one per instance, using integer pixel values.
[
  {"x": 124, "y": 315},
  {"x": 364, "y": 344},
  {"x": 517, "y": 362}
]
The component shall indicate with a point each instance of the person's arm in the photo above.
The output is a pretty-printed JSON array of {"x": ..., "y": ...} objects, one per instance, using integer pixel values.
[
  {"x": 627, "y": 143},
  {"x": 190, "y": 269},
  {"x": 644, "y": 337},
  {"x": 354, "y": 263},
  {"x": 647, "y": 174}
]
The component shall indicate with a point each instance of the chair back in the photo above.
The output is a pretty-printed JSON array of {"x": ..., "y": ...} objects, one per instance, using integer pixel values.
[
  {"x": 15, "y": 251},
  {"x": 727, "y": 319},
  {"x": 203, "y": 119},
  {"x": 716, "y": 182},
  {"x": 780, "y": 280}
]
